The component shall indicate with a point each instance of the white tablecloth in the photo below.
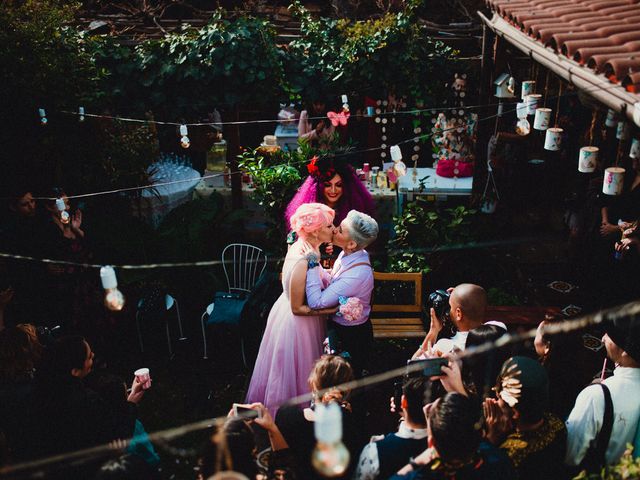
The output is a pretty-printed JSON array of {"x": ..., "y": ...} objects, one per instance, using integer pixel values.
[
  {"x": 435, "y": 184},
  {"x": 157, "y": 202}
]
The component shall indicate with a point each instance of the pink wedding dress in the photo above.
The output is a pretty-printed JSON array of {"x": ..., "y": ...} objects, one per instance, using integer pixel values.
[{"x": 289, "y": 347}]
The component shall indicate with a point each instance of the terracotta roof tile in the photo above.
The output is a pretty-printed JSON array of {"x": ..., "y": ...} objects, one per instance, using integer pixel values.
[
  {"x": 602, "y": 34},
  {"x": 632, "y": 82}
]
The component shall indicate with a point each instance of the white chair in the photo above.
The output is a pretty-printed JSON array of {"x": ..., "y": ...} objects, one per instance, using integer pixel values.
[
  {"x": 169, "y": 303},
  {"x": 243, "y": 264}
]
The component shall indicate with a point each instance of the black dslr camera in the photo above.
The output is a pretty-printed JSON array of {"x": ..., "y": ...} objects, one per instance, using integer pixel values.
[{"x": 439, "y": 301}]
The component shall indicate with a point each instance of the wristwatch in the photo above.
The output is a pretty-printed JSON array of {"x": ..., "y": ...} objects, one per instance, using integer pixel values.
[{"x": 312, "y": 260}]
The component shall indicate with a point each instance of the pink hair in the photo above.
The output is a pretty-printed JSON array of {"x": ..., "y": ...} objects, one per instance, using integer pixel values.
[{"x": 310, "y": 217}]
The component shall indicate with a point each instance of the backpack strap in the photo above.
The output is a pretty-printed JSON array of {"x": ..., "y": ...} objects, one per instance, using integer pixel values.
[{"x": 607, "y": 425}]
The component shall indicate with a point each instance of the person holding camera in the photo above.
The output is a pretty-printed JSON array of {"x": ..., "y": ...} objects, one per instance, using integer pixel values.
[
  {"x": 386, "y": 454},
  {"x": 466, "y": 308}
]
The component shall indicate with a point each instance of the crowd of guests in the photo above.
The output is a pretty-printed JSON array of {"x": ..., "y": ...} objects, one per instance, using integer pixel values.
[
  {"x": 47, "y": 294},
  {"x": 494, "y": 415},
  {"x": 502, "y": 414}
]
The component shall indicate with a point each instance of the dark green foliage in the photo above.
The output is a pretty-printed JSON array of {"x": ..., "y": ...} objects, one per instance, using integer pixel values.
[
  {"x": 226, "y": 62},
  {"x": 392, "y": 54},
  {"x": 423, "y": 234}
]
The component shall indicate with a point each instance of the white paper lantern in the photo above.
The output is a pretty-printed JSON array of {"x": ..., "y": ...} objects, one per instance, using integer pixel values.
[
  {"x": 532, "y": 101},
  {"x": 587, "y": 159},
  {"x": 635, "y": 148},
  {"x": 553, "y": 139},
  {"x": 613, "y": 181},
  {"x": 542, "y": 119},
  {"x": 528, "y": 87},
  {"x": 611, "y": 119}
]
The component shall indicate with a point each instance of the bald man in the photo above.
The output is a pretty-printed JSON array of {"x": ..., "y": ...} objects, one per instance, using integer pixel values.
[{"x": 468, "y": 304}]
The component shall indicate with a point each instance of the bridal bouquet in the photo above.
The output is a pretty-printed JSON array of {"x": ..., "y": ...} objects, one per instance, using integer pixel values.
[{"x": 350, "y": 308}]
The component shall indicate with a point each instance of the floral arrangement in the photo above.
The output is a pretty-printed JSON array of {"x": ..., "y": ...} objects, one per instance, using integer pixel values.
[{"x": 350, "y": 308}]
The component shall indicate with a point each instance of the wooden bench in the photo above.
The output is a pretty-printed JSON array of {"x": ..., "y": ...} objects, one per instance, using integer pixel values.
[{"x": 403, "y": 317}]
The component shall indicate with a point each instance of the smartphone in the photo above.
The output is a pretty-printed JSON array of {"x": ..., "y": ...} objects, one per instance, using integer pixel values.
[
  {"x": 240, "y": 410},
  {"x": 431, "y": 367},
  {"x": 397, "y": 395}
]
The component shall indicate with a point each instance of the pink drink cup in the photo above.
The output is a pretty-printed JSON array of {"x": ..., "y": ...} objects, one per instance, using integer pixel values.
[{"x": 143, "y": 376}]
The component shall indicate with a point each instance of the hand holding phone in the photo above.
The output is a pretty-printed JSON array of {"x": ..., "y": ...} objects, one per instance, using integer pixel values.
[
  {"x": 431, "y": 367},
  {"x": 245, "y": 411}
]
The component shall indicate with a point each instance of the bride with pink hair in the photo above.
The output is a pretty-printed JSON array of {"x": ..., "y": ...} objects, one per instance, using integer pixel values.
[{"x": 294, "y": 333}]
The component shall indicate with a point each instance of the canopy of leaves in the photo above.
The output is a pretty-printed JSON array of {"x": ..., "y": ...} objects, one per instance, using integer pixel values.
[
  {"x": 226, "y": 62},
  {"x": 394, "y": 53}
]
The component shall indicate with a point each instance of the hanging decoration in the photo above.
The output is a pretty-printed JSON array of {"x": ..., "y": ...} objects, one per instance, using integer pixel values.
[
  {"x": 612, "y": 119},
  {"x": 61, "y": 206},
  {"x": 542, "y": 119},
  {"x": 528, "y": 87},
  {"x": 345, "y": 103},
  {"x": 399, "y": 167},
  {"x": 184, "y": 140},
  {"x": 553, "y": 137},
  {"x": 339, "y": 118},
  {"x": 490, "y": 195},
  {"x": 330, "y": 457},
  {"x": 635, "y": 148},
  {"x": 453, "y": 146},
  {"x": 81, "y": 114},
  {"x": 613, "y": 181},
  {"x": 622, "y": 131},
  {"x": 43, "y": 116},
  {"x": 113, "y": 298},
  {"x": 588, "y": 156},
  {"x": 587, "y": 159},
  {"x": 532, "y": 101},
  {"x": 523, "y": 127}
]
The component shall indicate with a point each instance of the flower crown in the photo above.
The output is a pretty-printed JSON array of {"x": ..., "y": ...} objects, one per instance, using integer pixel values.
[{"x": 315, "y": 171}]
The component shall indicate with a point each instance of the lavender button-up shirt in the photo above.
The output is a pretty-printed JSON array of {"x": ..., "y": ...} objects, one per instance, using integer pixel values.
[{"x": 345, "y": 282}]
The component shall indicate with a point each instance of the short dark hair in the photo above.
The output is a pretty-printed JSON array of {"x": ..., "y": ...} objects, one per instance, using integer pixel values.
[
  {"x": 414, "y": 390},
  {"x": 455, "y": 426}
]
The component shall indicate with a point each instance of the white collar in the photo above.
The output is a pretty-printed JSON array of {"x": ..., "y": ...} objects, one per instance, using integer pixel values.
[{"x": 411, "y": 433}]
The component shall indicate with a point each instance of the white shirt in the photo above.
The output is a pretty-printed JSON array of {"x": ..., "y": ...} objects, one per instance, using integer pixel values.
[
  {"x": 585, "y": 420},
  {"x": 460, "y": 339},
  {"x": 369, "y": 463}
]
